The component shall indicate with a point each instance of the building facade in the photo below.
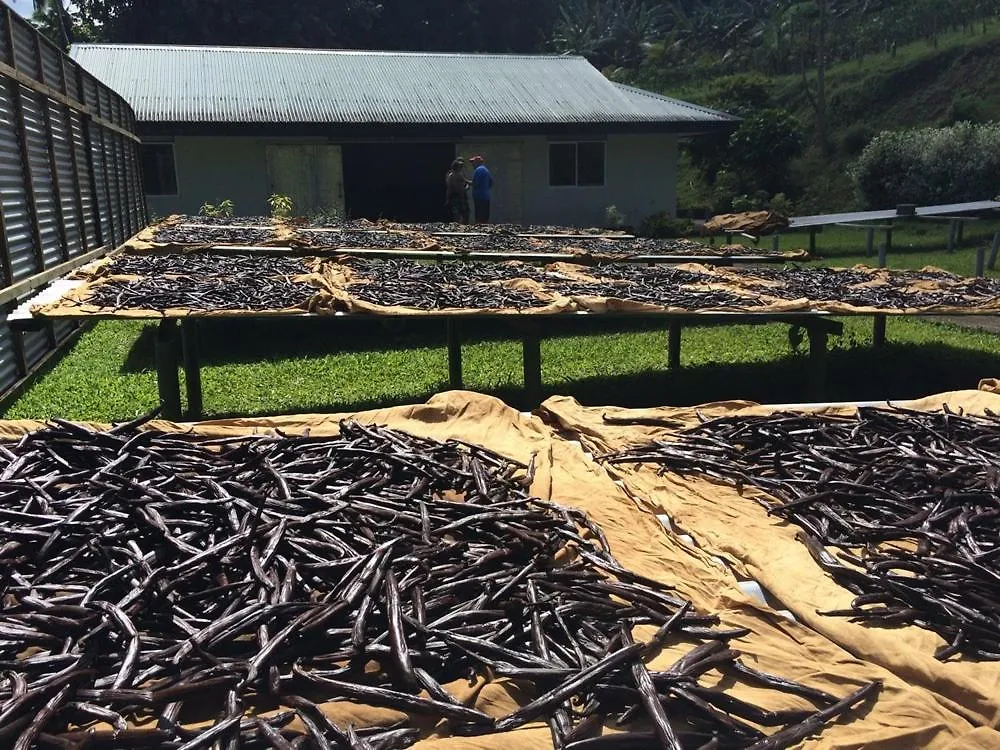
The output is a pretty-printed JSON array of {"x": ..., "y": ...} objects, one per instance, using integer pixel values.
[{"x": 371, "y": 134}]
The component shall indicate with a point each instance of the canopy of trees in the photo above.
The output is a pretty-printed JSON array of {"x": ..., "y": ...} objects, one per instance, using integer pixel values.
[{"x": 423, "y": 25}]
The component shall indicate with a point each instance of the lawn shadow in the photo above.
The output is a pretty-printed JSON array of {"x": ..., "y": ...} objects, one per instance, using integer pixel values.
[
  {"x": 895, "y": 372},
  {"x": 233, "y": 341}
]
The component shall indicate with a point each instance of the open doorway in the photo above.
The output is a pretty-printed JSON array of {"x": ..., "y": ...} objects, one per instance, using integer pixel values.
[{"x": 398, "y": 181}]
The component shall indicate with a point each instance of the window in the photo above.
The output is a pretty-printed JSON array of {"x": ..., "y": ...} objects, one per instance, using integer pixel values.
[
  {"x": 159, "y": 177},
  {"x": 576, "y": 164}
]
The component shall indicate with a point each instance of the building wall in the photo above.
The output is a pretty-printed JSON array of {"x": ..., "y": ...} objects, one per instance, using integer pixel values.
[
  {"x": 640, "y": 178},
  {"x": 214, "y": 168}
]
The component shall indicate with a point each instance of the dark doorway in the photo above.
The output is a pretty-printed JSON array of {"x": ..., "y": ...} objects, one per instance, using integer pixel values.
[{"x": 399, "y": 181}]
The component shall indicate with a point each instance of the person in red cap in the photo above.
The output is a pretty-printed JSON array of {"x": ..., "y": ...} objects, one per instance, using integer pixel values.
[{"x": 482, "y": 189}]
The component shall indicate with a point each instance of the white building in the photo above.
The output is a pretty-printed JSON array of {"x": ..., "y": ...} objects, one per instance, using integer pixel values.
[{"x": 371, "y": 134}]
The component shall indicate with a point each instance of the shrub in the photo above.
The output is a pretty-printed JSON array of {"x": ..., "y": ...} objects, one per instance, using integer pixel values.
[
  {"x": 221, "y": 210},
  {"x": 781, "y": 204},
  {"x": 662, "y": 225},
  {"x": 762, "y": 147},
  {"x": 966, "y": 108},
  {"x": 281, "y": 206},
  {"x": 929, "y": 165},
  {"x": 856, "y": 138},
  {"x": 613, "y": 218}
]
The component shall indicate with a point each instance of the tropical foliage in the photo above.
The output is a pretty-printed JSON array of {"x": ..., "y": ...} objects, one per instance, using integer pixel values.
[{"x": 930, "y": 166}]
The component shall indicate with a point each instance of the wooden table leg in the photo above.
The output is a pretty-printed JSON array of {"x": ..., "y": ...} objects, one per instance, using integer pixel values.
[
  {"x": 878, "y": 331},
  {"x": 454, "y": 353},
  {"x": 167, "y": 379},
  {"x": 531, "y": 348},
  {"x": 674, "y": 345},
  {"x": 192, "y": 367},
  {"x": 817, "y": 363}
]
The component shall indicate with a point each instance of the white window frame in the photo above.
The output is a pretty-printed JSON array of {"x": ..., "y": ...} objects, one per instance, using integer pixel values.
[
  {"x": 576, "y": 163},
  {"x": 173, "y": 159}
]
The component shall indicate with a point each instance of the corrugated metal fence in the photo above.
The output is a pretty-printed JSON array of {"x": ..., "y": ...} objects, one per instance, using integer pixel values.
[{"x": 70, "y": 182}]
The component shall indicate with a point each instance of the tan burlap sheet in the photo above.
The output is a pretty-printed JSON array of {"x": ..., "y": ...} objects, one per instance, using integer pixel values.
[
  {"x": 764, "y": 548},
  {"x": 905, "y": 716}
]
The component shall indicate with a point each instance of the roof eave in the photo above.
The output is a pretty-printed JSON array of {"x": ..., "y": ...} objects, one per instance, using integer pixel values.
[{"x": 431, "y": 130}]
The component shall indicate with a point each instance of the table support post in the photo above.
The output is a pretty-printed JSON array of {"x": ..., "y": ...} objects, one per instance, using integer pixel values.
[
  {"x": 878, "y": 331},
  {"x": 812, "y": 241},
  {"x": 952, "y": 235},
  {"x": 994, "y": 250},
  {"x": 817, "y": 363},
  {"x": 870, "y": 242},
  {"x": 454, "y": 353},
  {"x": 531, "y": 348},
  {"x": 192, "y": 367},
  {"x": 878, "y": 327},
  {"x": 167, "y": 379},
  {"x": 674, "y": 345}
]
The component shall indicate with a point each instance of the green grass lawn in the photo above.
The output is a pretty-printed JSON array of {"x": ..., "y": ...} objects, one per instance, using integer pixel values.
[
  {"x": 263, "y": 367},
  {"x": 915, "y": 244},
  {"x": 271, "y": 367}
]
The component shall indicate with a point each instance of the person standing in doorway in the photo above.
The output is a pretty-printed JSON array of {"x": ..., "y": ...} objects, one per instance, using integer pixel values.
[
  {"x": 482, "y": 189},
  {"x": 456, "y": 197}
]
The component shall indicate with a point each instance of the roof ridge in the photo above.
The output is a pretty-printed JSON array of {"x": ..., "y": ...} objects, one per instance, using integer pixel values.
[{"x": 322, "y": 51}]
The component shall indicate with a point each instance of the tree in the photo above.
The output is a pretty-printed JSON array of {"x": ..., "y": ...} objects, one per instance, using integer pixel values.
[
  {"x": 430, "y": 25},
  {"x": 615, "y": 32},
  {"x": 55, "y": 22}
]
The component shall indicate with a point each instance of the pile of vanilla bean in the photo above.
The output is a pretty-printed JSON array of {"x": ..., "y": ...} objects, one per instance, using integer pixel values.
[
  {"x": 167, "y": 591},
  {"x": 251, "y": 291},
  {"x": 842, "y": 285},
  {"x": 214, "y": 235},
  {"x": 908, "y": 501},
  {"x": 205, "y": 264}
]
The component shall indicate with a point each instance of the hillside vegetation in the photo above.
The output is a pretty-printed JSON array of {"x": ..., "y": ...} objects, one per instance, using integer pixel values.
[{"x": 922, "y": 84}]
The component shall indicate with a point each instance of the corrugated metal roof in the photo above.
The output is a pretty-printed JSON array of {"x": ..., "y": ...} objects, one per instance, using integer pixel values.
[{"x": 271, "y": 85}]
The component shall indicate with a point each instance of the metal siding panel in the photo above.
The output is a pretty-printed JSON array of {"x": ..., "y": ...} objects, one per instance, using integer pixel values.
[
  {"x": 24, "y": 50},
  {"x": 41, "y": 176},
  {"x": 12, "y": 191},
  {"x": 132, "y": 173},
  {"x": 83, "y": 168},
  {"x": 9, "y": 369},
  {"x": 63, "y": 328},
  {"x": 72, "y": 85},
  {"x": 4, "y": 46},
  {"x": 90, "y": 91},
  {"x": 61, "y": 135},
  {"x": 51, "y": 67},
  {"x": 36, "y": 346},
  {"x": 102, "y": 196}
]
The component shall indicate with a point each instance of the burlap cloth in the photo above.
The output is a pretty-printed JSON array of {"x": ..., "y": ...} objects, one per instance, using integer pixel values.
[
  {"x": 764, "y": 548},
  {"x": 904, "y": 717}
]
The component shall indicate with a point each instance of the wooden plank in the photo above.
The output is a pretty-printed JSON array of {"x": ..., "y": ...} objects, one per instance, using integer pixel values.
[
  {"x": 994, "y": 251},
  {"x": 674, "y": 345},
  {"x": 531, "y": 350},
  {"x": 817, "y": 362},
  {"x": 454, "y": 353},
  {"x": 192, "y": 367},
  {"x": 167, "y": 380}
]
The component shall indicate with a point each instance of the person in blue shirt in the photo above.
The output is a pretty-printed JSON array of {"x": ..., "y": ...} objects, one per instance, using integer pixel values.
[{"x": 482, "y": 188}]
